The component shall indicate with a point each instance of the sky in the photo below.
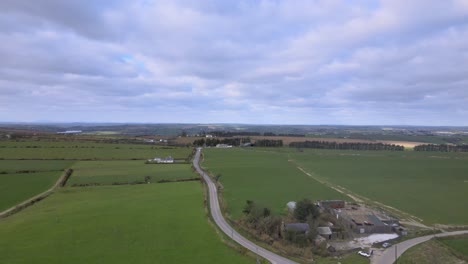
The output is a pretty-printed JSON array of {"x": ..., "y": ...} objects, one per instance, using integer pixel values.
[{"x": 348, "y": 62}]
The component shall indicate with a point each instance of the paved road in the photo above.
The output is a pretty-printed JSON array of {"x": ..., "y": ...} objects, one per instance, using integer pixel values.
[
  {"x": 388, "y": 255},
  {"x": 226, "y": 228}
]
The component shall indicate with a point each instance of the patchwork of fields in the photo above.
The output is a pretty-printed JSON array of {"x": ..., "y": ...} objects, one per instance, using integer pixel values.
[
  {"x": 127, "y": 171},
  {"x": 79, "y": 150},
  {"x": 267, "y": 178},
  {"x": 152, "y": 223},
  {"x": 23, "y": 179},
  {"x": 430, "y": 186}
]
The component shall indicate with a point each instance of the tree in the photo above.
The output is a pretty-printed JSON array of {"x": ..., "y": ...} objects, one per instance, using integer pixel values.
[{"x": 305, "y": 210}]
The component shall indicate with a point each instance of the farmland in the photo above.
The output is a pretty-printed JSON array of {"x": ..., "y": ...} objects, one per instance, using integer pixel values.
[
  {"x": 80, "y": 150},
  {"x": 459, "y": 244},
  {"x": 264, "y": 177},
  {"x": 127, "y": 171},
  {"x": 434, "y": 183},
  {"x": 435, "y": 251},
  {"x": 22, "y": 179},
  {"x": 152, "y": 223}
]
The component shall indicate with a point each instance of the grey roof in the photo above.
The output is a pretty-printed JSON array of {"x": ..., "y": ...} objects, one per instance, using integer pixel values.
[
  {"x": 298, "y": 227},
  {"x": 376, "y": 221},
  {"x": 325, "y": 230}
]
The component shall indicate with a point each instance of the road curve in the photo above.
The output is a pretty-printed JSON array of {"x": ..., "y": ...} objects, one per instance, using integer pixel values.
[
  {"x": 225, "y": 227},
  {"x": 388, "y": 255}
]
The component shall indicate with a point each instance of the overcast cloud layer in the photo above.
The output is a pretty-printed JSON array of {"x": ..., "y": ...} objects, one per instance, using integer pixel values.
[{"x": 284, "y": 62}]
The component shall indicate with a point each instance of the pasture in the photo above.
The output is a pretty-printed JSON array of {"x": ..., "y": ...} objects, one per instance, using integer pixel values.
[
  {"x": 80, "y": 150},
  {"x": 432, "y": 251},
  {"x": 431, "y": 186},
  {"x": 152, "y": 223},
  {"x": 126, "y": 171},
  {"x": 18, "y": 166},
  {"x": 267, "y": 178},
  {"x": 18, "y": 187},
  {"x": 459, "y": 244}
]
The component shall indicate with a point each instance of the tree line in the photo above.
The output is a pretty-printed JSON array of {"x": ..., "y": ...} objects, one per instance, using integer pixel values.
[
  {"x": 268, "y": 143},
  {"x": 442, "y": 148},
  {"x": 346, "y": 145},
  {"x": 212, "y": 142}
]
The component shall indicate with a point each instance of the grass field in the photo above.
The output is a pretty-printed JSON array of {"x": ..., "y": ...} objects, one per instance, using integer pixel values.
[
  {"x": 459, "y": 244},
  {"x": 429, "y": 252},
  {"x": 431, "y": 186},
  {"x": 79, "y": 150},
  {"x": 153, "y": 223},
  {"x": 264, "y": 177},
  {"x": 18, "y": 187},
  {"x": 126, "y": 171},
  {"x": 12, "y": 166}
]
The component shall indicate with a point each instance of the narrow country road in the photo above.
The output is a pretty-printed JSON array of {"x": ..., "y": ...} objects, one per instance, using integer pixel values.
[
  {"x": 388, "y": 255},
  {"x": 225, "y": 227}
]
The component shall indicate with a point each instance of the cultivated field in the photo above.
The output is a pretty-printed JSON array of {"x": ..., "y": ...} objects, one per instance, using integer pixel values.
[
  {"x": 265, "y": 177},
  {"x": 79, "y": 150},
  {"x": 152, "y": 223},
  {"x": 126, "y": 171},
  {"x": 430, "y": 186},
  {"x": 23, "y": 179},
  {"x": 459, "y": 244}
]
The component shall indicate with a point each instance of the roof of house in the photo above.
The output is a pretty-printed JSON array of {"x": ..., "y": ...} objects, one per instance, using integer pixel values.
[
  {"x": 298, "y": 227},
  {"x": 325, "y": 230}
]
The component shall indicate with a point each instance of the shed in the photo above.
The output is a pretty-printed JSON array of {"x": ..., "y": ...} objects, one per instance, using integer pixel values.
[
  {"x": 298, "y": 227},
  {"x": 325, "y": 232}
]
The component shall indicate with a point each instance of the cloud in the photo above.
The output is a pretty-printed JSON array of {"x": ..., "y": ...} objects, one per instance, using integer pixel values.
[{"x": 311, "y": 62}]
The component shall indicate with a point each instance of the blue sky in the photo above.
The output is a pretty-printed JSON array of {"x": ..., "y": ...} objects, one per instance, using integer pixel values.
[{"x": 268, "y": 62}]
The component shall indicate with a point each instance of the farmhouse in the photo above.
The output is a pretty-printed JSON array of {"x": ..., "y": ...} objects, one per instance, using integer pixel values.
[
  {"x": 223, "y": 146},
  {"x": 362, "y": 220},
  {"x": 166, "y": 160}
]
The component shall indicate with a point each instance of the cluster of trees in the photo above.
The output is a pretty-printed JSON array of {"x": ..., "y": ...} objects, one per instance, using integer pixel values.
[
  {"x": 306, "y": 212},
  {"x": 262, "y": 220},
  {"x": 442, "y": 148},
  {"x": 346, "y": 145},
  {"x": 211, "y": 142},
  {"x": 269, "y": 143}
]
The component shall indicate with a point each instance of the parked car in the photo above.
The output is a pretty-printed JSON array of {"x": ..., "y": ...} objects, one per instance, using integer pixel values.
[
  {"x": 386, "y": 245},
  {"x": 364, "y": 254}
]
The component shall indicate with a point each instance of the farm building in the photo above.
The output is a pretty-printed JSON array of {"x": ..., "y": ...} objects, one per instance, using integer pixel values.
[
  {"x": 362, "y": 220},
  {"x": 223, "y": 146},
  {"x": 291, "y": 206},
  {"x": 166, "y": 160},
  {"x": 303, "y": 228},
  {"x": 334, "y": 204},
  {"x": 325, "y": 232}
]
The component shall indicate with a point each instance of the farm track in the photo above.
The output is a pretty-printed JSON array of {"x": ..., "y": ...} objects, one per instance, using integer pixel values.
[
  {"x": 225, "y": 227},
  {"x": 62, "y": 180},
  {"x": 409, "y": 219}
]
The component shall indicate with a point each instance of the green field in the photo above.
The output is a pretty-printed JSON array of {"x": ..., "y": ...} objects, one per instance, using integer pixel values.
[
  {"x": 80, "y": 150},
  {"x": 18, "y": 187},
  {"x": 126, "y": 171},
  {"x": 459, "y": 244},
  {"x": 153, "y": 223},
  {"x": 431, "y": 186},
  {"x": 429, "y": 252},
  {"x": 264, "y": 177},
  {"x": 12, "y": 166}
]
